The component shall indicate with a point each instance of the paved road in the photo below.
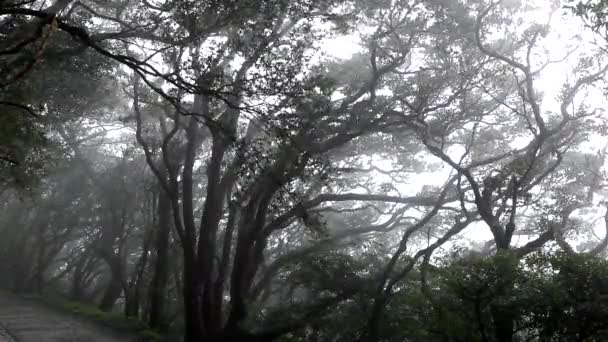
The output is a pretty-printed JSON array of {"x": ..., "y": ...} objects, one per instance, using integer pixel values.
[
  {"x": 4, "y": 336},
  {"x": 29, "y": 321}
]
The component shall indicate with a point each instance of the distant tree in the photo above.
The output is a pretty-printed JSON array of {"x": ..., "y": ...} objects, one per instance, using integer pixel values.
[{"x": 205, "y": 164}]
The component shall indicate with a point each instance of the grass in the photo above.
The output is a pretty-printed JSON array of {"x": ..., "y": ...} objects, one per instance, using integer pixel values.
[{"x": 114, "y": 320}]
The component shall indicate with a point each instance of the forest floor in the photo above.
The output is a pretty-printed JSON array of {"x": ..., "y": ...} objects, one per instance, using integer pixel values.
[{"x": 28, "y": 320}]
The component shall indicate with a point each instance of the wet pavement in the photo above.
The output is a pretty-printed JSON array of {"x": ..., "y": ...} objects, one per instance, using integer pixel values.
[
  {"x": 5, "y": 336},
  {"x": 24, "y": 320}
]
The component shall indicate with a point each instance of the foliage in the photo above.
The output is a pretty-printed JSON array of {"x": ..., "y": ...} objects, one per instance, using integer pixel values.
[
  {"x": 208, "y": 167},
  {"x": 22, "y": 147},
  {"x": 594, "y": 12},
  {"x": 554, "y": 297}
]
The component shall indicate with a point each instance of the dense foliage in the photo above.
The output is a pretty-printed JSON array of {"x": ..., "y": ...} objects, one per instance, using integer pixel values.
[{"x": 237, "y": 170}]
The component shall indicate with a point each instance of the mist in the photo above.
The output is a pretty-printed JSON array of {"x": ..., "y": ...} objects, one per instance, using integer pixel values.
[{"x": 306, "y": 170}]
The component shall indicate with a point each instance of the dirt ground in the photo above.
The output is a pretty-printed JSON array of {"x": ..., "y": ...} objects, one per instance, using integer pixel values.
[{"x": 23, "y": 320}]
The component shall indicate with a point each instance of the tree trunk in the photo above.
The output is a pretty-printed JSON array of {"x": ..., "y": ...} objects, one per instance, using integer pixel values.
[
  {"x": 40, "y": 267},
  {"x": 503, "y": 317},
  {"x": 133, "y": 290},
  {"x": 76, "y": 288},
  {"x": 160, "y": 279},
  {"x": 111, "y": 294},
  {"x": 132, "y": 302},
  {"x": 21, "y": 266},
  {"x": 503, "y": 324},
  {"x": 192, "y": 300},
  {"x": 114, "y": 288},
  {"x": 375, "y": 318},
  {"x": 77, "y": 283}
]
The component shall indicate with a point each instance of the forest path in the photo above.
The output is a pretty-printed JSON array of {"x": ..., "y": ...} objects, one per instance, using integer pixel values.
[{"x": 23, "y": 320}]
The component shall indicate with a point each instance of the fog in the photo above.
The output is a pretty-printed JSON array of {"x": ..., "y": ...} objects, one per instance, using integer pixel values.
[{"x": 306, "y": 170}]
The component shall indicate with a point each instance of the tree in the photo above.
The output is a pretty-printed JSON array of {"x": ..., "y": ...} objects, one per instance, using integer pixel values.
[{"x": 239, "y": 180}]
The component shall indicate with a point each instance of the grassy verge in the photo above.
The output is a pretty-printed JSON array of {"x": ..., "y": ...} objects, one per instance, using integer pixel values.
[{"x": 113, "y": 320}]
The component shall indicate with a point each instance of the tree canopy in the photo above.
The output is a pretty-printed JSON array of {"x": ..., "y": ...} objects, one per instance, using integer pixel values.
[{"x": 216, "y": 170}]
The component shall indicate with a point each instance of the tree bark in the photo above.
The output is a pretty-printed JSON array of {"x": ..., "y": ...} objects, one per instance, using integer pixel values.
[
  {"x": 41, "y": 264},
  {"x": 160, "y": 279},
  {"x": 133, "y": 290},
  {"x": 132, "y": 301},
  {"x": 82, "y": 270},
  {"x": 192, "y": 300},
  {"x": 376, "y": 317},
  {"x": 114, "y": 288},
  {"x": 504, "y": 324}
]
